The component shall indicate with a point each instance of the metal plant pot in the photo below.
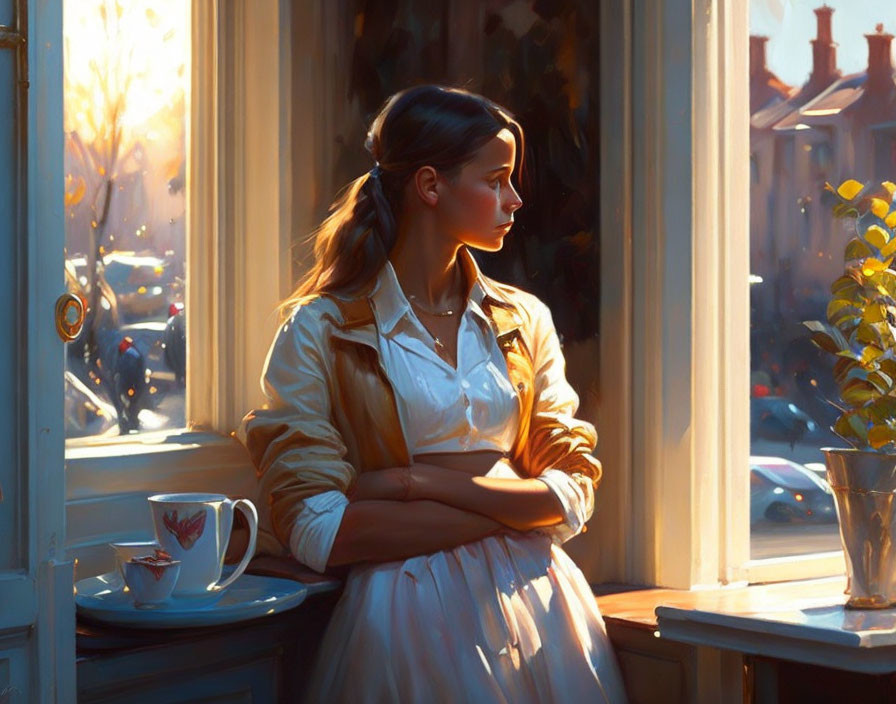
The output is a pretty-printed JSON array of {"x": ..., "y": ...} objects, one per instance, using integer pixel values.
[{"x": 864, "y": 484}]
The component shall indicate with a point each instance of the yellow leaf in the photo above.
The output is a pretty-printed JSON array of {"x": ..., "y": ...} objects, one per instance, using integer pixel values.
[
  {"x": 836, "y": 305},
  {"x": 880, "y": 207},
  {"x": 890, "y": 186},
  {"x": 891, "y": 220},
  {"x": 856, "y": 249},
  {"x": 880, "y": 435},
  {"x": 850, "y": 189},
  {"x": 873, "y": 314},
  {"x": 870, "y": 353},
  {"x": 871, "y": 266},
  {"x": 877, "y": 236},
  {"x": 889, "y": 249}
]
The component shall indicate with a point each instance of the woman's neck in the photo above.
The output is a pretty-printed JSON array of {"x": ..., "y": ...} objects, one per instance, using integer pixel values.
[{"x": 427, "y": 268}]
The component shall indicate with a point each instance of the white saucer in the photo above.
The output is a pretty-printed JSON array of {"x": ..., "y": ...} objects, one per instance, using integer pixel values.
[{"x": 103, "y": 598}]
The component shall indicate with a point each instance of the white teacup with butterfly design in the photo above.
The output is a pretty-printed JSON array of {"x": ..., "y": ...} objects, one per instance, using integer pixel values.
[{"x": 195, "y": 529}]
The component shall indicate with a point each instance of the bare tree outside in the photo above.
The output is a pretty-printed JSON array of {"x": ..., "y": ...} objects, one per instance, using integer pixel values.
[{"x": 125, "y": 86}]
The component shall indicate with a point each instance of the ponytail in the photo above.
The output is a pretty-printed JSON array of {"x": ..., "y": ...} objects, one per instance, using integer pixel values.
[{"x": 351, "y": 244}]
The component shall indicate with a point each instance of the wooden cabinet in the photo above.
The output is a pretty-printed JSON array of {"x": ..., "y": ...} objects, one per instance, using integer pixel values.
[{"x": 261, "y": 661}]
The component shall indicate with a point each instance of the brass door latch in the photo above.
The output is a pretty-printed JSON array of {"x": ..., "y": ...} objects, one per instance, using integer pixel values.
[{"x": 70, "y": 312}]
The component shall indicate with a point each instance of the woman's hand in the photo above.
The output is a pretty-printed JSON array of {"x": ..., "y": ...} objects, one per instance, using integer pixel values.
[{"x": 390, "y": 484}]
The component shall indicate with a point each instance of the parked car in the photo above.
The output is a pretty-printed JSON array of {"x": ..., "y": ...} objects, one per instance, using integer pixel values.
[
  {"x": 819, "y": 468},
  {"x": 143, "y": 284},
  {"x": 786, "y": 492}
]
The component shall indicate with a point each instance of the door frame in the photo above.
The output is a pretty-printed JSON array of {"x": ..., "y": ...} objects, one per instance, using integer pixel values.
[{"x": 42, "y": 432}]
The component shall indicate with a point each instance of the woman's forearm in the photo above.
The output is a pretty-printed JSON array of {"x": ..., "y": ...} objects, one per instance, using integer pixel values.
[
  {"x": 378, "y": 531},
  {"x": 521, "y": 504}
]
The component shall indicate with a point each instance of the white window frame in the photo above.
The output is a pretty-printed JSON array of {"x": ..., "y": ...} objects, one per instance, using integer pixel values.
[
  {"x": 675, "y": 256},
  {"x": 238, "y": 269}
]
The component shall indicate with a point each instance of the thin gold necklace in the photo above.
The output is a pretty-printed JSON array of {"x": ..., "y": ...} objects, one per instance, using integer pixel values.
[{"x": 439, "y": 313}]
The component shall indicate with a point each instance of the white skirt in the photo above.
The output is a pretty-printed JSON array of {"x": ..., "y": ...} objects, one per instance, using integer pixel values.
[{"x": 509, "y": 618}]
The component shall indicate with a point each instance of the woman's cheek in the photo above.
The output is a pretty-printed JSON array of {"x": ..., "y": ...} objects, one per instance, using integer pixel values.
[{"x": 483, "y": 204}]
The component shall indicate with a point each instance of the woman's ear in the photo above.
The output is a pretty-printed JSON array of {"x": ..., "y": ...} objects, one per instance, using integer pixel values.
[{"x": 426, "y": 185}]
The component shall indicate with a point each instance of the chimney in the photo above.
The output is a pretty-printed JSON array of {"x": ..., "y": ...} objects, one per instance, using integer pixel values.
[
  {"x": 757, "y": 55},
  {"x": 880, "y": 66},
  {"x": 824, "y": 51}
]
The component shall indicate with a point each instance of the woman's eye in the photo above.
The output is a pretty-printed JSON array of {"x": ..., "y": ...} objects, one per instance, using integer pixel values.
[{"x": 494, "y": 182}]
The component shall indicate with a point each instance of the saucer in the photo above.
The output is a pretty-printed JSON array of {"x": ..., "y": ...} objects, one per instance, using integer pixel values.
[{"x": 103, "y": 598}]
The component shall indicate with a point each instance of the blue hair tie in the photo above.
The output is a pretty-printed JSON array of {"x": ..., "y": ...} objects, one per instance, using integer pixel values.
[{"x": 376, "y": 171}]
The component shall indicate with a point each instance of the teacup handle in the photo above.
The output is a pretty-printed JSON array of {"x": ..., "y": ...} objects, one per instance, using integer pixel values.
[{"x": 248, "y": 508}]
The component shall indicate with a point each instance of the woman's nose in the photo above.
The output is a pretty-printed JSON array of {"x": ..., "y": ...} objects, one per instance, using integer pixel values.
[{"x": 514, "y": 202}]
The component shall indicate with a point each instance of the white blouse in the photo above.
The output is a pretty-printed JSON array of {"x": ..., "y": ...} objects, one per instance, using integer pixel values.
[{"x": 441, "y": 409}]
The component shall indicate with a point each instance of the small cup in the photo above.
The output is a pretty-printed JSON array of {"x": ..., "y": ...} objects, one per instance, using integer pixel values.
[
  {"x": 127, "y": 550},
  {"x": 151, "y": 579}
]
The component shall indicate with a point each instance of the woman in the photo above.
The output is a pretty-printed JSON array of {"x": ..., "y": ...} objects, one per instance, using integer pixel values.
[{"x": 419, "y": 434}]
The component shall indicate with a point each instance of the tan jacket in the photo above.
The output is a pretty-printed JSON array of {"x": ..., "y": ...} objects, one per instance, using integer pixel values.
[{"x": 331, "y": 411}]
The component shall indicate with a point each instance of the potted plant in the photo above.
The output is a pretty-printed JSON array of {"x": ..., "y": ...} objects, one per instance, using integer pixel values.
[{"x": 861, "y": 332}]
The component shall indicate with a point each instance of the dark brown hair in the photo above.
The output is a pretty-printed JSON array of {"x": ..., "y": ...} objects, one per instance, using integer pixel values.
[{"x": 427, "y": 125}]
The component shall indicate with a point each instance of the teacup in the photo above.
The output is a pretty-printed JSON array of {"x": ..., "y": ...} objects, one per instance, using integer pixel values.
[
  {"x": 195, "y": 529},
  {"x": 150, "y": 579}
]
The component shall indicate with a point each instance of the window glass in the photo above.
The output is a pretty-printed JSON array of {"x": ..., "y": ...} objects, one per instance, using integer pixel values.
[
  {"x": 815, "y": 117},
  {"x": 126, "y": 70}
]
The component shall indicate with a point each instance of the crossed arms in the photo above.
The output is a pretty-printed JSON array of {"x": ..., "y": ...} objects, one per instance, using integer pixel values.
[{"x": 400, "y": 512}]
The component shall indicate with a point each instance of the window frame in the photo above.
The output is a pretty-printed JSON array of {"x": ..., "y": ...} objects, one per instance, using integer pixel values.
[
  {"x": 675, "y": 293},
  {"x": 239, "y": 220}
]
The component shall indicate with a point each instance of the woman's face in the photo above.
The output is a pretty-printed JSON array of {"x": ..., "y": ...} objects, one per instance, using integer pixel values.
[{"x": 477, "y": 208}]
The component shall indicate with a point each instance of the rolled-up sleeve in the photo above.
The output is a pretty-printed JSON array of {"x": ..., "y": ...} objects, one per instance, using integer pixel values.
[
  {"x": 575, "y": 493},
  {"x": 315, "y": 529},
  {"x": 297, "y": 451},
  {"x": 557, "y": 439}
]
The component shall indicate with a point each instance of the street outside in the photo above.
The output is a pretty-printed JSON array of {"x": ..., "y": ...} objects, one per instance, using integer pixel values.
[{"x": 771, "y": 539}]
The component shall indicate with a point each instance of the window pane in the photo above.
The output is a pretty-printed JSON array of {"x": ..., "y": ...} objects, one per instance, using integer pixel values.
[
  {"x": 126, "y": 90},
  {"x": 818, "y": 113}
]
